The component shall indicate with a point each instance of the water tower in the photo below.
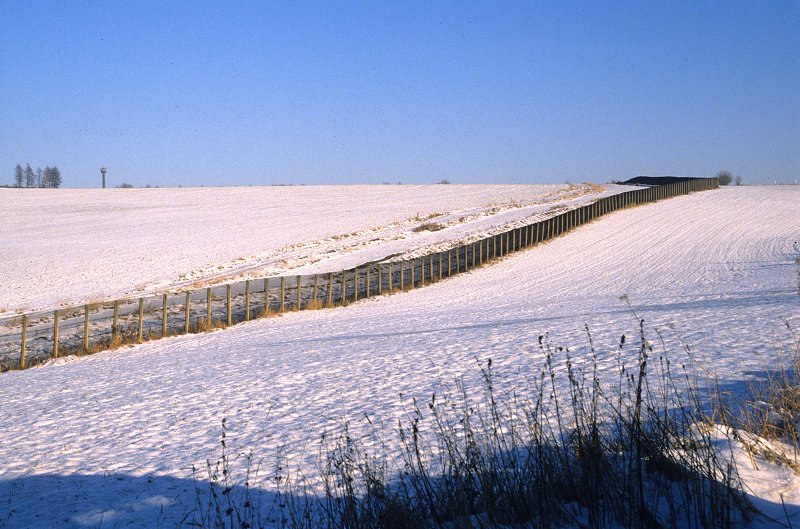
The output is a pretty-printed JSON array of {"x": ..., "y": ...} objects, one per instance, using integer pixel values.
[{"x": 103, "y": 172}]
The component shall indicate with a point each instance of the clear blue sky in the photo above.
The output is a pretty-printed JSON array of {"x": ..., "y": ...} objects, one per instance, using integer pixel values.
[{"x": 229, "y": 93}]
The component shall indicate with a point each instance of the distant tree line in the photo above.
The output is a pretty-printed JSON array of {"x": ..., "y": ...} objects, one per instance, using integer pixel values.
[
  {"x": 725, "y": 178},
  {"x": 50, "y": 177}
]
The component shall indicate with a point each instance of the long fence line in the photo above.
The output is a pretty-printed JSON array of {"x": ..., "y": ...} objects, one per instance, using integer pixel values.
[{"x": 35, "y": 337}]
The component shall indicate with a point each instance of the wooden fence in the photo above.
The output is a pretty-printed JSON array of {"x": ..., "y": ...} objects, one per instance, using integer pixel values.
[{"x": 33, "y": 338}]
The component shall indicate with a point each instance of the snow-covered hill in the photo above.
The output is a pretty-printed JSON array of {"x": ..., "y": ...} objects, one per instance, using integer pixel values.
[
  {"x": 70, "y": 247},
  {"x": 114, "y": 436}
]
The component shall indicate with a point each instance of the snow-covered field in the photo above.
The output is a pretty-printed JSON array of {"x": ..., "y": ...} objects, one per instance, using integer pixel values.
[
  {"x": 70, "y": 247},
  {"x": 110, "y": 440}
]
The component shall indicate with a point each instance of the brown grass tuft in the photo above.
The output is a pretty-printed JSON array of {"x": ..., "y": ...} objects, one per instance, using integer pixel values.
[{"x": 429, "y": 226}]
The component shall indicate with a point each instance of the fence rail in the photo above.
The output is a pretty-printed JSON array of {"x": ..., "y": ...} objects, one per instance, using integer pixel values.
[{"x": 32, "y": 338}]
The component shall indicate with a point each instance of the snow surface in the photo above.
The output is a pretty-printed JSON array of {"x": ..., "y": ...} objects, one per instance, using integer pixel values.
[
  {"x": 69, "y": 247},
  {"x": 110, "y": 440}
]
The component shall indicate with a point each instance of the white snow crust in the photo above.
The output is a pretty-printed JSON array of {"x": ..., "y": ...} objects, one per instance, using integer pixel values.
[
  {"x": 69, "y": 247},
  {"x": 111, "y": 439}
]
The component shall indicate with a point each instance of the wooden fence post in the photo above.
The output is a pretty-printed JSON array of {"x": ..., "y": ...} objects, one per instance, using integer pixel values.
[
  {"x": 316, "y": 282},
  {"x": 413, "y": 262},
  {"x": 208, "y": 307},
  {"x": 24, "y": 340},
  {"x": 164, "y": 316},
  {"x": 355, "y": 284},
  {"x": 228, "y": 304},
  {"x": 458, "y": 259},
  {"x": 283, "y": 294},
  {"x": 55, "y": 334},
  {"x": 441, "y": 263},
  {"x": 391, "y": 278},
  {"x": 188, "y": 309},
  {"x": 299, "y": 291},
  {"x": 330, "y": 289},
  {"x": 246, "y": 300},
  {"x": 115, "y": 322},
  {"x": 141, "y": 319},
  {"x": 344, "y": 287},
  {"x": 266, "y": 296},
  {"x": 86, "y": 328},
  {"x": 402, "y": 279},
  {"x": 379, "y": 278},
  {"x": 431, "y": 267}
]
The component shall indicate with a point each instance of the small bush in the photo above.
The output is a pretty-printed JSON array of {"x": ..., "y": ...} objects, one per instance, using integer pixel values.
[
  {"x": 768, "y": 421},
  {"x": 724, "y": 177}
]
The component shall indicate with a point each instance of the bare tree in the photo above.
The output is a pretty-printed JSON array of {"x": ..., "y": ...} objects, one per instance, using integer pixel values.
[{"x": 30, "y": 177}]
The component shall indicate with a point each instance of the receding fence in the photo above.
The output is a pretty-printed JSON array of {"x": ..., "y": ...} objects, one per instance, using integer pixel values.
[{"x": 35, "y": 337}]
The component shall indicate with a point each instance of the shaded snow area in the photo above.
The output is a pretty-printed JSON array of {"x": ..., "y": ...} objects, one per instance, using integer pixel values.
[
  {"x": 110, "y": 440},
  {"x": 70, "y": 247}
]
